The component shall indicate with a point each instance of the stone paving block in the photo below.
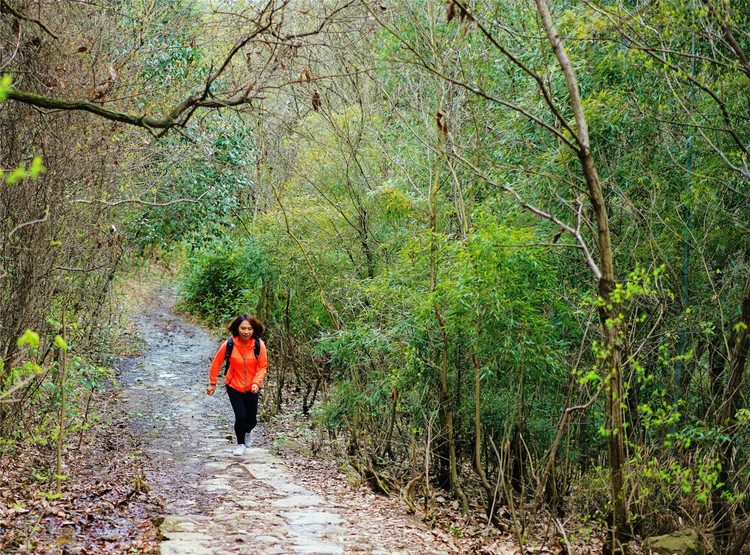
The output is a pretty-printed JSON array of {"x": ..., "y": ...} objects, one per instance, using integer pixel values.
[
  {"x": 180, "y": 547},
  {"x": 317, "y": 548},
  {"x": 299, "y": 501},
  {"x": 302, "y": 518}
]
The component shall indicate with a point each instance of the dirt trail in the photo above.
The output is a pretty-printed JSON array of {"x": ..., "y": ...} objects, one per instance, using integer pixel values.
[{"x": 220, "y": 503}]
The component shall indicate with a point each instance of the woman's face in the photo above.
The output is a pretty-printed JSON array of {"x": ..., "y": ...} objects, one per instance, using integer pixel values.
[{"x": 246, "y": 330}]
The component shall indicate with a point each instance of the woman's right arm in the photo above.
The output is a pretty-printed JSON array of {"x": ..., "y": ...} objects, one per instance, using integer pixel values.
[{"x": 213, "y": 375}]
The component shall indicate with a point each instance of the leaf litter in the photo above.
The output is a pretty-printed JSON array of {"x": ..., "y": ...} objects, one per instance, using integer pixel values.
[{"x": 134, "y": 470}]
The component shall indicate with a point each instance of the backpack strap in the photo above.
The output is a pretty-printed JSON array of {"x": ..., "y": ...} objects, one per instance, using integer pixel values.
[
  {"x": 256, "y": 349},
  {"x": 228, "y": 354}
]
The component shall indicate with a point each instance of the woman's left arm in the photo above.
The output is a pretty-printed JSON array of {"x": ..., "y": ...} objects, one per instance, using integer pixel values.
[{"x": 262, "y": 365}]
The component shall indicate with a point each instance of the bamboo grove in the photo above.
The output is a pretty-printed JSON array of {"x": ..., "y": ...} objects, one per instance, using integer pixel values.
[{"x": 501, "y": 247}]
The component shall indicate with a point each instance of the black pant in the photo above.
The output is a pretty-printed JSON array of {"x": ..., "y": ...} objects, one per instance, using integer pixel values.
[{"x": 245, "y": 407}]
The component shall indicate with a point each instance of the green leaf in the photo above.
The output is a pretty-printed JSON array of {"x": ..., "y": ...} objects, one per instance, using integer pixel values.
[
  {"x": 36, "y": 167},
  {"x": 29, "y": 338},
  {"x": 60, "y": 342},
  {"x": 5, "y": 82}
]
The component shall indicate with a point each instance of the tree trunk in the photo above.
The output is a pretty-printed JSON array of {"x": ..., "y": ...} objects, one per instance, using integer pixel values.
[
  {"x": 740, "y": 341},
  {"x": 478, "y": 468},
  {"x": 445, "y": 409},
  {"x": 609, "y": 312},
  {"x": 364, "y": 240},
  {"x": 621, "y": 529},
  {"x": 387, "y": 448},
  {"x": 446, "y": 403}
]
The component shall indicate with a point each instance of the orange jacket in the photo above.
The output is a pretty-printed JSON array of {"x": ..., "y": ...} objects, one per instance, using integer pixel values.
[{"x": 244, "y": 370}]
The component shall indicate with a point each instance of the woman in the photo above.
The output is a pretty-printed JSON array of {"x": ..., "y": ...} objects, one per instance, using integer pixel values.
[{"x": 244, "y": 375}]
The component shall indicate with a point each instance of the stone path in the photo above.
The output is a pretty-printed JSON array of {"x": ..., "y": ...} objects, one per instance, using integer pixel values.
[
  {"x": 262, "y": 511},
  {"x": 219, "y": 503}
]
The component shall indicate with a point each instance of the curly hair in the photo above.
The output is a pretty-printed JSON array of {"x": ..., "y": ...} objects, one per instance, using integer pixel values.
[{"x": 258, "y": 328}]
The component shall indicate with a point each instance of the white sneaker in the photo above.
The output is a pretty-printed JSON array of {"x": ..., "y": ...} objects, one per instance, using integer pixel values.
[
  {"x": 239, "y": 450},
  {"x": 249, "y": 439}
]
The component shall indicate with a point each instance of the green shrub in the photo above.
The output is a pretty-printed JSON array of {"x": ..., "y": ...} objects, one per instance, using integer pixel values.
[{"x": 223, "y": 280}]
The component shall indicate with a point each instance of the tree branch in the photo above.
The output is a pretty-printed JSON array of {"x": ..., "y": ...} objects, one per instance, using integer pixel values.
[
  {"x": 14, "y": 12},
  {"x": 426, "y": 64},
  {"x": 31, "y": 222},
  {"x": 546, "y": 94},
  {"x": 187, "y": 107},
  {"x": 140, "y": 202},
  {"x": 738, "y": 52},
  {"x": 84, "y": 105},
  {"x": 590, "y": 262}
]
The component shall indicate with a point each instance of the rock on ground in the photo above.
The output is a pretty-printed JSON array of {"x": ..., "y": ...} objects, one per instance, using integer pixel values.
[{"x": 684, "y": 542}]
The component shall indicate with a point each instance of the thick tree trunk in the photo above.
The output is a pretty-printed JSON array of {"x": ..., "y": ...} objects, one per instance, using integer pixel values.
[
  {"x": 621, "y": 529},
  {"x": 609, "y": 311}
]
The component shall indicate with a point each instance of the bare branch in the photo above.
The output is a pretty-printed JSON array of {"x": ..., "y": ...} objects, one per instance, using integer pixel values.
[
  {"x": 96, "y": 109},
  {"x": 15, "y": 49},
  {"x": 140, "y": 202},
  {"x": 322, "y": 25},
  {"x": 5, "y": 396},
  {"x": 656, "y": 54},
  {"x": 736, "y": 48},
  {"x": 237, "y": 47},
  {"x": 430, "y": 67},
  {"x": 743, "y": 171},
  {"x": 32, "y": 222},
  {"x": 14, "y": 12},
  {"x": 590, "y": 262},
  {"x": 535, "y": 76},
  {"x": 182, "y": 112},
  {"x": 534, "y": 245}
]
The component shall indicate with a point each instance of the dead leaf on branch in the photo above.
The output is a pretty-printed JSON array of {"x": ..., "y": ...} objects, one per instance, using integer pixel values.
[
  {"x": 316, "y": 102},
  {"x": 456, "y": 10}
]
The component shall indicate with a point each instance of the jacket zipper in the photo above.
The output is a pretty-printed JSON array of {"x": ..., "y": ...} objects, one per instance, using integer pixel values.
[{"x": 244, "y": 365}]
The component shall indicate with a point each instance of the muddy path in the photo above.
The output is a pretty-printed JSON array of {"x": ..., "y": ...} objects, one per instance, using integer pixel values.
[{"x": 219, "y": 503}]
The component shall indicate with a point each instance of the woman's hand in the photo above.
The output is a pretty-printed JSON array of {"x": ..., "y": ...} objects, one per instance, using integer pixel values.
[
  {"x": 211, "y": 389},
  {"x": 254, "y": 388}
]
